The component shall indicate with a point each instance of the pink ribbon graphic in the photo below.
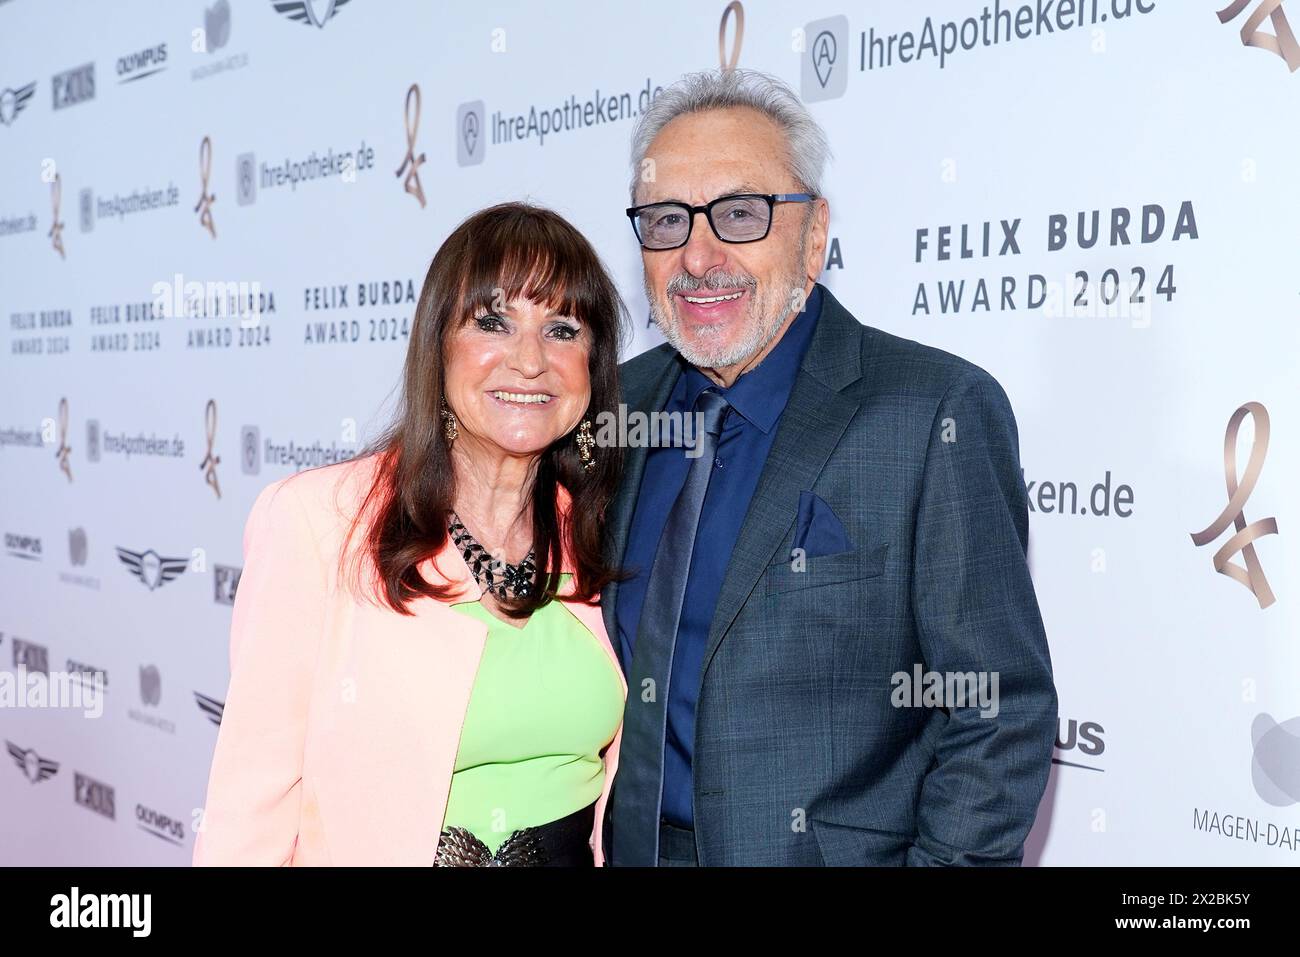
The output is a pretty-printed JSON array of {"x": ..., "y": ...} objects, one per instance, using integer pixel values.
[{"x": 1252, "y": 576}]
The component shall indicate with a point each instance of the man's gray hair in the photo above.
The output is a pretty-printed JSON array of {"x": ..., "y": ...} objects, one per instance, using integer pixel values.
[{"x": 723, "y": 89}]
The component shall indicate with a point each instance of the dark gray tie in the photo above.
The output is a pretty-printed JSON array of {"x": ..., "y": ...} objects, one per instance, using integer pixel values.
[{"x": 640, "y": 779}]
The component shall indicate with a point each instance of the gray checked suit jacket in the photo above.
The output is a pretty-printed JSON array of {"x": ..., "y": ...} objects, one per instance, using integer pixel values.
[{"x": 801, "y": 756}]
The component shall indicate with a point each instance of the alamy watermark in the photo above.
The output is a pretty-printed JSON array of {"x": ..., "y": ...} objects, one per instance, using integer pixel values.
[
  {"x": 59, "y": 689},
  {"x": 945, "y": 689},
  {"x": 632, "y": 428},
  {"x": 224, "y": 299}
]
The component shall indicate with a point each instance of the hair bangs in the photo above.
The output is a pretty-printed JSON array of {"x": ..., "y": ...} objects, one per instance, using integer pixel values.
[{"x": 524, "y": 258}]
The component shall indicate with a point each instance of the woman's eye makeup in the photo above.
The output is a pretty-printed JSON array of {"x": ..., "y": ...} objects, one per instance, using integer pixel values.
[{"x": 563, "y": 331}]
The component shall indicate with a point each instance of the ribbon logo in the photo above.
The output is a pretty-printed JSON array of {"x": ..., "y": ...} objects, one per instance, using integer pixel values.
[
  {"x": 210, "y": 461},
  {"x": 411, "y": 160},
  {"x": 728, "y": 62},
  {"x": 1252, "y": 576},
  {"x": 206, "y": 199},
  {"x": 1282, "y": 42},
  {"x": 64, "y": 450},
  {"x": 56, "y": 228}
]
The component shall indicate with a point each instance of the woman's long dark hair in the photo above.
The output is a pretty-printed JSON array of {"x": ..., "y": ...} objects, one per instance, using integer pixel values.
[{"x": 513, "y": 250}]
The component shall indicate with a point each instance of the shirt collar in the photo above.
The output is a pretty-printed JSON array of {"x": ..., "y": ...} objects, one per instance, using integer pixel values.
[{"x": 760, "y": 395}]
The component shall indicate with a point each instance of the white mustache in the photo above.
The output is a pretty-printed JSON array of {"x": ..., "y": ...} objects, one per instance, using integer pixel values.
[{"x": 679, "y": 284}]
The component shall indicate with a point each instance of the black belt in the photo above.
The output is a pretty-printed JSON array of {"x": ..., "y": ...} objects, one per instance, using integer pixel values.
[{"x": 559, "y": 843}]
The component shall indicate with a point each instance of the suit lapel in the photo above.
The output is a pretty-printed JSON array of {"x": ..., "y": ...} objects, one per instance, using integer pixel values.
[
  {"x": 810, "y": 428},
  {"x": 652, "y": 399}
]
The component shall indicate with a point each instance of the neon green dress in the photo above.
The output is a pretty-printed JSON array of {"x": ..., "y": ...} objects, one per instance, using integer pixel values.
[{"x": 546, "y": 701}]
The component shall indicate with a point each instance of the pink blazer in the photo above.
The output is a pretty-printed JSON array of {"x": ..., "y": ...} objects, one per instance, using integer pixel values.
[{"x": 342, "y": 719}]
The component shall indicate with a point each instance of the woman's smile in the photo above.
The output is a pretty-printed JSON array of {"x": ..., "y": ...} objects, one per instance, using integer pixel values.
[{"x": 520, "y": 400}]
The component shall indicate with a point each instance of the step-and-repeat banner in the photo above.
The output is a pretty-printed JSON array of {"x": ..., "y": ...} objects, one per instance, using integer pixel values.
[{"x": 215, "y": 217}]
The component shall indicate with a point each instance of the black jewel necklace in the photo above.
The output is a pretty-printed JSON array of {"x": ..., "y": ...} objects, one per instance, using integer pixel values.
[{"x": 501, "y": 579}]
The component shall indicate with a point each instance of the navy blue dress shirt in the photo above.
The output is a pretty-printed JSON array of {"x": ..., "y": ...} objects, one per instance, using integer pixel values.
[{"x": 757, "y": 400}]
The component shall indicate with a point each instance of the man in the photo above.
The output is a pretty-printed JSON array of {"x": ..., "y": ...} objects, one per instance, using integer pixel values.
[{"x": 853, "y": 516}]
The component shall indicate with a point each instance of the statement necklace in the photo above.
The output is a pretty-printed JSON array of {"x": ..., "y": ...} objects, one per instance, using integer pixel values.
[{"x": 501, "y": 579}]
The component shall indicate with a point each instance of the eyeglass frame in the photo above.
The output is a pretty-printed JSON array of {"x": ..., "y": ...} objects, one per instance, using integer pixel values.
[{"x": 707, "y": 209}]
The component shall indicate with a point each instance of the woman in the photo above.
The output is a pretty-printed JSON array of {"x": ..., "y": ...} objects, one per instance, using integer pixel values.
[{"x": 419, "y": 670}]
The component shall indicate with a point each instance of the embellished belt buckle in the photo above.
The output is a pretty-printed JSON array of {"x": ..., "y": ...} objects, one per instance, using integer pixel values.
[{"x": 459, "y": 847}]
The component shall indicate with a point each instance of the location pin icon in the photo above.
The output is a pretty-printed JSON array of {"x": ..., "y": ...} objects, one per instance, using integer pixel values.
[
  {"x": 469, "y": 130},
  {"x": 823, "y": 54}
]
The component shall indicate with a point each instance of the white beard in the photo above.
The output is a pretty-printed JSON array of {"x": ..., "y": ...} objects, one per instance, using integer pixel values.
[{"x": 707, "y": 349}]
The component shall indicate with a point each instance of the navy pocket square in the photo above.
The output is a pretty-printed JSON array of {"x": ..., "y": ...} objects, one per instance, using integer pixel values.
[{"x": 818, "y": 530}]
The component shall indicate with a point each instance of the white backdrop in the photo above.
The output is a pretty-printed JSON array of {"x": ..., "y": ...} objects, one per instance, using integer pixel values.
[{"x": 1179, "y": 736}]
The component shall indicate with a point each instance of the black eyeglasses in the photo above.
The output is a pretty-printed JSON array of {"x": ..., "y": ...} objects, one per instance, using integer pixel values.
[{"x": 739, "y": 218}]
